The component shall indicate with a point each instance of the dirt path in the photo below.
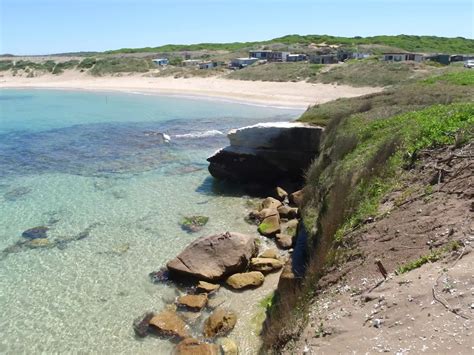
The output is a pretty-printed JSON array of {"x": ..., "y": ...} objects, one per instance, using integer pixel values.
[{"x": 429, "y": 309}]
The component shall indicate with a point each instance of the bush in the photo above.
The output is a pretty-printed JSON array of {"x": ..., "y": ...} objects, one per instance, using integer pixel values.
[
  {"x": 87, "y": 63},
  {"x": 120, "y": 65},
  {"x": 6, "y": 65}
]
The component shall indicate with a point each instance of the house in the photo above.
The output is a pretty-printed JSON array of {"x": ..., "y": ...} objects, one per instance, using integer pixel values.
[
  {"x": 191, "y": 62},
  {"x": 263, "y": 54},
  {"x": 277, "y": 56},
  {"x": 161, "y": 61},
  {"x": 323, "y": 59},
  {"x": 296, "y": 57},
  {"x": 242, "y": 62},
  {"x": 402, "y": 57},
  {"x": 207, "y": 65}
]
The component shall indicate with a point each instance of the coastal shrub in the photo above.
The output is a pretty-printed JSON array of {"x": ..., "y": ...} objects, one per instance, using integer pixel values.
[
  {"x": 43, "y": 66},
  {"x": 6, "y": 65},
  {"x": 60, "y": 67},
  {"x": 87, "y": 63},
  {"x": 277, "y": 72},
  {"x": 120, "y": 65},
  {"x": 464, "y": 77}
]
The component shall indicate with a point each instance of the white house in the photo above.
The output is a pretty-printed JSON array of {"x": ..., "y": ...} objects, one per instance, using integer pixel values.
[
  {"x": 402, "y": 57},
  {"x": 161, "y": 61},
  {"x": 242, "y": 62}
]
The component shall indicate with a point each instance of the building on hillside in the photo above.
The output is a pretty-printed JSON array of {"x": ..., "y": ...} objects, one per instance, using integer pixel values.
[
  {"x": 323, "y": 59},
  {"x": 277, "y": 56},
  {"x": 239, "y": 63},
  {"x": 439, "y": 58},
  {"x": 191, "y": 62},
  {"x": 263, "y": 54},
  {"x": 296, "y": 57},
  {"x": 207, "y": 65},
  {"x": 402, "y": 57},
  {"x": 161, "y": 61}
]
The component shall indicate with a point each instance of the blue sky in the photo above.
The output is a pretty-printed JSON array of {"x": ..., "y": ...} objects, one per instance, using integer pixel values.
[{"x": 53, "y": 26}]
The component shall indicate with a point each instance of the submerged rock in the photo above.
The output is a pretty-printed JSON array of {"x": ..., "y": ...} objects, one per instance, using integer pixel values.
[
  {"x": 192, "y": 302},
  {"x": 212, "y": 258},
  {"x": 168, "y": 323},
  {"x": 160, "y": 276},
  {"x": 16, "y": 193},
  {"x": 39, "y": 243},
  {"x": 244, "y": 280},
  {"x": 267, "y": 152},
  {"x": 194, "y": 223},
  {"x": 36, "y": 233},
  {"x": 228, "y": 346},
  {"x": 220, "y": 322},
  {"x": 191, "y": 346},
  {"x": 141, "y": 324}
]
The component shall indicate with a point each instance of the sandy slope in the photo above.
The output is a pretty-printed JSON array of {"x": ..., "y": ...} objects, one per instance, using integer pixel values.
[{"x": 298, "y": 95}]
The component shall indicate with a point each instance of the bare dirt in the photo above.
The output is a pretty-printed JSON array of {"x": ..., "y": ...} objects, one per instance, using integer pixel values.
[{"x": 429, "y": 309}]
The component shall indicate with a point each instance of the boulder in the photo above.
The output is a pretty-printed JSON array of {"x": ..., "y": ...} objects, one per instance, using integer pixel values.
[
  {"x": 280, "y": 194},
  {"x": 193, "y": 224},
  {"x": 191, "y": 346},
  {"x": 265, "y": 265},
  {"x": 141, "y": 324},
  {"x": 296, "y": 198},
  {"x": 270, "y": 226},
  {"x": 270, "y": 203},
  {"x": 36, "y": 233},
  {"x": 267, "y": 153},
  {"x": 262, "y": 214},
  {"x": 168, "y": 323},
  {"x": 271, "y": 253},
  {"x": 206, "y": 287},
  {"x": 290, "y": 227},
  {"x": 192, "y": 302},
  {"x": 284, "y": 241},
  {"x": 287, "y": 212},
  {"x": 244, "y": 280},
  {"x": 228, "y": 346},
  {"x": 214, "y": 257},
  {"x": 220, "y": 322}
]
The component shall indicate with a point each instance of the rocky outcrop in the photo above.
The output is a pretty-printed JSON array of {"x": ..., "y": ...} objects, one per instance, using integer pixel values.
[
  {"x": 267, "y": 152},
  {"x": 214, "y": 257},
  {"x": 220, "y": 322},
  {"x": 192, "y": 302},
  {"x": 168, "y": 323},
  {"x": 207, "y": 287},
  {"x": 265, "y": 265},
  {"x": 191, "y": 346},
  {"x": 244, "y": 280}
]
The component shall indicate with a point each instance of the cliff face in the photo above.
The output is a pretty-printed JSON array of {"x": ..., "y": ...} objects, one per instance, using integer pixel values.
[{"x": 267, "y": 153}]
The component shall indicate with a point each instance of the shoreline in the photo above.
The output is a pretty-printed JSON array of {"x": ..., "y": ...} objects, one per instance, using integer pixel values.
[{"x": 284, "y": 95}]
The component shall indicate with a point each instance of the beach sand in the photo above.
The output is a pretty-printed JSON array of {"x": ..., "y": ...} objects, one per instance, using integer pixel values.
[{"x": 279, "y": 94}]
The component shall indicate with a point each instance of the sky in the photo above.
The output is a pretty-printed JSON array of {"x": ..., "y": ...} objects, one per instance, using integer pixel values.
[{"x": 58, "y": 26}]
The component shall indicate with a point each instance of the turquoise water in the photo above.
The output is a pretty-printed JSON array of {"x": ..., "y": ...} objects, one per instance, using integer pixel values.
[{"x": 89, "y": 167}]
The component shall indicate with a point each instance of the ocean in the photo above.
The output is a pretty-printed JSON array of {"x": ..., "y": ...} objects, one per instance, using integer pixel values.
[{"x": 92, "y": 168}]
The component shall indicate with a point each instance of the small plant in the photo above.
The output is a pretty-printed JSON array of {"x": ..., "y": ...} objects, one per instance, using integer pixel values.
[{"x": 194, "y": 224}]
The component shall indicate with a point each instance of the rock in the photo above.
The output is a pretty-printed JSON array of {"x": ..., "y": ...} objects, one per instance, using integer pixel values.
[
  {"x": 215, "y": 302},
  {"x": 246, "y": 280},
  {"x": 296, "y": 198},
  {"x": 262, "y": 214},
  {"x": 267, "y": 152},
  {"x": 270, "y": 203},
  {"x": 290, "y": 227},
  {"x": 220, "y": 322},
  {"x": 192, "y": 302},
  {"x": 194, "y": 223},
  {"x": 284, "y": 241},
  {"x": 168, "y": 323},
  {"x": 207, "y": 287},
  {"x": 160, "y": 276},
  {"x": 265, "y": 265},
  {"x": 191, "y": 346},
  {"x": 141, "y": 324},
  {"x": 39, "y": 243},
  {"x": 228, "y": 346},
  {"x": 36, "y": 233},
  {"x": 212, "y": 258},
  {"x": 280, "y": 194},
  {"x": 270, "y": 226},
  {"x": 288, "y": 212},
  {"x": 271, "y": 253}
]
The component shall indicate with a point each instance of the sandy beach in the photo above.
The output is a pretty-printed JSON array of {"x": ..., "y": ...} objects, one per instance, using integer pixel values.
[{"x": 279, "y": 94}]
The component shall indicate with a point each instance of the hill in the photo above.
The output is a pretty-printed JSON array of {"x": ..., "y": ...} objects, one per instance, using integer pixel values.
[{"x": 404, "y": 42}]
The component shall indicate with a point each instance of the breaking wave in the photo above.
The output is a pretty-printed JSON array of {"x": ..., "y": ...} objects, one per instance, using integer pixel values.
[{"x": 204, "y": 134}]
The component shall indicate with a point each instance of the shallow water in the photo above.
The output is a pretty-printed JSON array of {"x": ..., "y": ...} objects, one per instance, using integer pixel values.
[{"x": 81, "y": 162}]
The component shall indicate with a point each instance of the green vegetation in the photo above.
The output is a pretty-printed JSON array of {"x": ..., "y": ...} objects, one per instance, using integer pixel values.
[
  {"x": 431, "y": 257},
  {"x": 405, "y": 42},
  {"x": 465, "y": 77},
  {"x": 6, "y": 65},
  {"x": 371, "y": 72},
  {"x": 47, "y": 66},
  {"x": 60, "y": 67},
  {"x": 194, "y": 223},
  {"x": 121, "y": 65},
  {"x": 277, "y": 72},
  {"x": 87, "y": 63}
]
